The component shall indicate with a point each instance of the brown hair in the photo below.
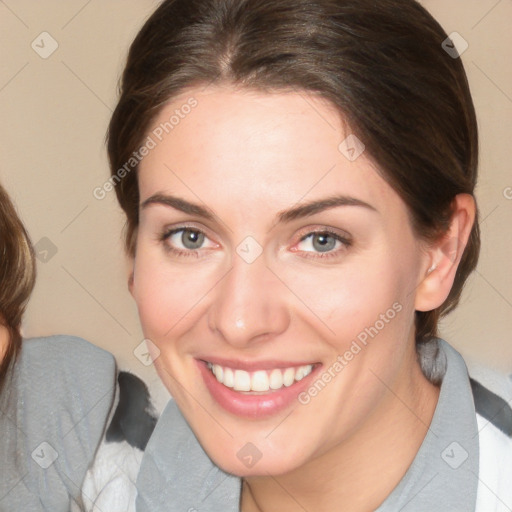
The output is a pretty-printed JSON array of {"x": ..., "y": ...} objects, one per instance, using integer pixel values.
[
  {"x": 380, "y": 63},
  {"x": 17, "y": 278}
]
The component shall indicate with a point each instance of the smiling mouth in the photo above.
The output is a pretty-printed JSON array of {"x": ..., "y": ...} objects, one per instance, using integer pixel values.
[{"x": 259, "y": 381}]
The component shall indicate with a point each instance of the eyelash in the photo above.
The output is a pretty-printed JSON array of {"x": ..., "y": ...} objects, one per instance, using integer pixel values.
[
  {"x": 180, "y": 252},
  {"x": 346, "y": 243}
]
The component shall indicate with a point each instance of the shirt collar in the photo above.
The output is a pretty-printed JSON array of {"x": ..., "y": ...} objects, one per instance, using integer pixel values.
[
  {"x": 444, "y": 473},
  {"x": 177, "y": 475}
]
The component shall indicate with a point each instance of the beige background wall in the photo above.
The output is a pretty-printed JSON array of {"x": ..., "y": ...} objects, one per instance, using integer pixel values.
[{"x": 54, "y": 112}]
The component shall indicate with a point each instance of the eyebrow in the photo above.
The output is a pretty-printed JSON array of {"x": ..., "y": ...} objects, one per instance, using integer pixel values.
[
  {"x": 179, "y": 204},
  {"x": 296, "y": 212},
  {"x": 308, "y": 209}
]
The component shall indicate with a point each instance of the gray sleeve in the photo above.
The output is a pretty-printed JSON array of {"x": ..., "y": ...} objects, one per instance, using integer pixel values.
[{"x": 53, "y": 413}]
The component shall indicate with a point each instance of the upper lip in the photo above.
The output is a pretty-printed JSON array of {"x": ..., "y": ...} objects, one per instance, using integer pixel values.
[{"x": 249, "y": 366}]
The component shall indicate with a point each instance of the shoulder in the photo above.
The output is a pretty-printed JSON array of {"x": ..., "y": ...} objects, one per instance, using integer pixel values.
[
  {"x": 68, "y": 354},
  {"x": 66, "y": 373},
  {"x": 495, "y": 468},
  {"x": 492, "y": 394},
  {"x": 59, "y": 396}
]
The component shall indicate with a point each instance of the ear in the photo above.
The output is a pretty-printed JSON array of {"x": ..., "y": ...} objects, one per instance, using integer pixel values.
[
  {"x": 130, "y": 283},
  {"x": 131, "y": 274},
  {"x": 131, "y": 252},
  {"x": 443, "y": 256},
  {"x": 4, "y": 339}
]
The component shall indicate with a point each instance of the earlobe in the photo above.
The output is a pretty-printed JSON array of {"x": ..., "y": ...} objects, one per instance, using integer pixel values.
[
  {"x": 4, "y": 340},
  {"x": 131, "y": 261},
  {"x": 444, "y": 255},
  {"x": 131, "y": 276},
  {"x": 130, "y": 282}
]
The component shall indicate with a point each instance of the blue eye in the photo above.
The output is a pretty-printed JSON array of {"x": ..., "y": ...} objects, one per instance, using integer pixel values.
[
  {"x": 190, "y": 239},
  {"x": 185, "y": 241},
  {"x": 324, "y": 243},
  {"x": 321, "y": 242}
]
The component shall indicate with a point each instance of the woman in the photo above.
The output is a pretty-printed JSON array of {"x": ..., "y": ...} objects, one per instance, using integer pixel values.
[
  {"x": 298, "y": 181},
  {"x": 55, "y": 396},
  {"x": 17, "y": 276}
]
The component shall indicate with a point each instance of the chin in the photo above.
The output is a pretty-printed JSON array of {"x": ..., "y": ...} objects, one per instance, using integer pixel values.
[{"x": 246, "y": 459}]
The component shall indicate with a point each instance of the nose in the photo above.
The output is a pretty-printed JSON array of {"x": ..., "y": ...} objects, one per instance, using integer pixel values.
[{"x": 249, "y": 304}]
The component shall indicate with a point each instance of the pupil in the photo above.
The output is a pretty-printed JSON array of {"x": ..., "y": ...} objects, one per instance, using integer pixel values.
[
  {"x": 324, "y": 243},
  {"x": 192, "y": 239}
]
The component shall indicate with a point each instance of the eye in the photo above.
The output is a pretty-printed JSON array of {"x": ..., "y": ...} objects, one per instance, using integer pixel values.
[
  {"x": 188, "y": 238},
  {"x": 186, "y": 241},
  {"x": 324, "y": 243}
]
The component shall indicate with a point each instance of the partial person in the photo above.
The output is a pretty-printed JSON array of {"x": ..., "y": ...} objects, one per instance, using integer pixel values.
[
  {"x": 298, "y": 180},
  {"x": 56, "y": 392}
]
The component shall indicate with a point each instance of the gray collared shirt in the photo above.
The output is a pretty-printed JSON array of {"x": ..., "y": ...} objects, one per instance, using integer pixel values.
[
  {"x": 176, "y": 475},
  {"x": 53, "y": 411}
]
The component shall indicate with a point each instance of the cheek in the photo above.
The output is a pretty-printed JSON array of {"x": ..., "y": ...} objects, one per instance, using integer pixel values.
[
  {"x": 165, "y": 294},
  {"x": 352, "y": 296}
]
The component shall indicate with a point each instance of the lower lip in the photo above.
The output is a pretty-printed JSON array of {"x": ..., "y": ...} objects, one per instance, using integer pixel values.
[{"x": 253, "y": 406}]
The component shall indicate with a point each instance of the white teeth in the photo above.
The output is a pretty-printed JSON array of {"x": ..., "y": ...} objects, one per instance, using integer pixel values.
[
  {"x": 303, "y": 371},
  {"x": 288, "y": 377},
  {"x": 242, "y": 381},
  {"x": 229, "y": 378},
  {"x": 218, "y": 372},
  {"x": 260, "y": 380},
  {"x": 276, "y": 379}
]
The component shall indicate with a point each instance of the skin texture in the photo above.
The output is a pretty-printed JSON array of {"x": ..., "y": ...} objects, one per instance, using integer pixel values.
[{"x": 248, "y": 156}]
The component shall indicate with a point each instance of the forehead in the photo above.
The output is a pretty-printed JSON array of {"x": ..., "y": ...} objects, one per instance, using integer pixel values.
[{"x": 267, "y": 151}]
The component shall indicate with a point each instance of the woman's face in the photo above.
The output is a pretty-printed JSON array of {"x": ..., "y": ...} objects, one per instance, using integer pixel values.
[{"x": 271, "y": 256}]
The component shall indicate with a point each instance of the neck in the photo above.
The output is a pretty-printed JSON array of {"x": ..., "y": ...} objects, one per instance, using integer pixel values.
[{"x": 360, "y": 472}]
